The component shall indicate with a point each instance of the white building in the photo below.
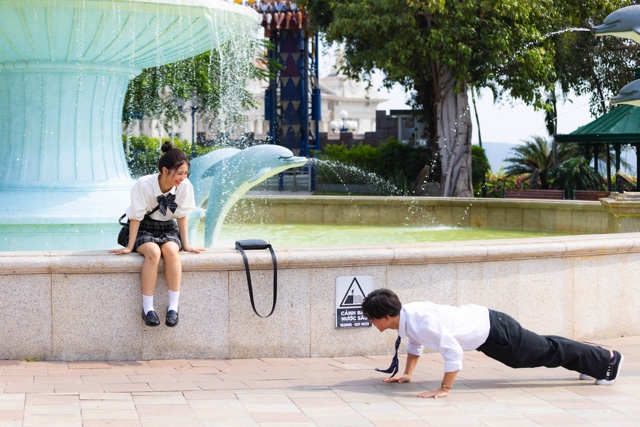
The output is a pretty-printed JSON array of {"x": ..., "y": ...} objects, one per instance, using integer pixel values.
[{"x": 337, "y": 92}]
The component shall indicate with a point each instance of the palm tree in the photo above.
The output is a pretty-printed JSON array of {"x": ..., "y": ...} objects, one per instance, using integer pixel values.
[
  {"x": 536, "y": 154},
  {"x": 576, "y": 174}
]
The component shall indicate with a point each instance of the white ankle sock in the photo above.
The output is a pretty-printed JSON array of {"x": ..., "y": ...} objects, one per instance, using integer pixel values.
[
  {"x": 147, "y": 303},
  {"x": 174, "y": 298}
]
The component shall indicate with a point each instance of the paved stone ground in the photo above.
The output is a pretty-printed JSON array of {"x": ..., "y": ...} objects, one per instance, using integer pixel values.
[{"x": 339, "y": 391}]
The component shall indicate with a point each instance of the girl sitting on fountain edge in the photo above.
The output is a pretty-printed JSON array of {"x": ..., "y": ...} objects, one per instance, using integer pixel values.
[{"x": 156, "y": 200}]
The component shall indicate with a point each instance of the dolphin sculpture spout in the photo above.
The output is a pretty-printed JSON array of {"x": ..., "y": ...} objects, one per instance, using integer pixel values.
[
  {"x": 624, "y": 23},
  {"x": 227, "y": 174},
  {"x": 629, "y": 94}
]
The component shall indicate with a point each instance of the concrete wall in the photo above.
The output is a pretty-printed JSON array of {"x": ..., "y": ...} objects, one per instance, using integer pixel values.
[
  {"x": 561, "y": 216},
  {"x": 87, "y": 305}
]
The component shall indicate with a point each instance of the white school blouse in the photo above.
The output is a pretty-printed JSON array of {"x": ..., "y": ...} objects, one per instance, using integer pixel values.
[
  {"x": 144, "y": 198},
  {"x": 448, "y": 329}
]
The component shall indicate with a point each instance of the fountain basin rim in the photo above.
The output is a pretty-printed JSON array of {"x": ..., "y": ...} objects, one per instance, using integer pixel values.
[
  {"x": 75, "y": 67},
  {"x": 455, "y": 201},
  {"x": 135, "y": 5},
  {"x": 83, "y": 262},
  {"x": 66, "y": 186}
]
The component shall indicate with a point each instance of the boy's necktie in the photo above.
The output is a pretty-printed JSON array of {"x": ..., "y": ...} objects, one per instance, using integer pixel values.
[{"x": 393, "y": 368}]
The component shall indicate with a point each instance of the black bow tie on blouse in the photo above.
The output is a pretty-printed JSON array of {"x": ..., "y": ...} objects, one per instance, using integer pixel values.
[{"x": 168, "y": 201}]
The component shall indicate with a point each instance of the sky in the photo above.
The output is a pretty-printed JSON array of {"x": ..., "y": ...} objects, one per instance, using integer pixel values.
[{"x": 510, "y": 122}]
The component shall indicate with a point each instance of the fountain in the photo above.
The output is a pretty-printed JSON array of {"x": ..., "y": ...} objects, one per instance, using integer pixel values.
[{"x": 64, "y": 71}]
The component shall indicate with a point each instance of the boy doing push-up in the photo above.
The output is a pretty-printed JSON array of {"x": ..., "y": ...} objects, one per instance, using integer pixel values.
[{"x": 453, "y": 330}]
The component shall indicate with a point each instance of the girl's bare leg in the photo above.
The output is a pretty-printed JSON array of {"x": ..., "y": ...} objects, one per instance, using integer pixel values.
[
  {"x": 172, "y": 265},
  {"x": 151, "y": 253}
]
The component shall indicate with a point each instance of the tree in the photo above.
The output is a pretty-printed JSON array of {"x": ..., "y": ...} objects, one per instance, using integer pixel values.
[
  {"x": 480, "y": 167},
  {"x": 585, "y": 64},
  {"x": 217, "y": 79},
  {"x": 576, "y": 174},
  {"x": 599, "y": 66},
  {"x": 536, "y": 155},
  {"x": 439, "y": 49}
]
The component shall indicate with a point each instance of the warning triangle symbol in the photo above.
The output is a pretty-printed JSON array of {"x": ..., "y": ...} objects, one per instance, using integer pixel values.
[{"x": 354, "y": 295}]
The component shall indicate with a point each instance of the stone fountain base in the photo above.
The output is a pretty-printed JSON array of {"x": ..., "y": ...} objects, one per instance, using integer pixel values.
[{"x": 86, "y": 305}]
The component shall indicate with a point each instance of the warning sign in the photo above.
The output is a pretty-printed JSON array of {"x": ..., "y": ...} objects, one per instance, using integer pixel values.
[{"x": 350, "y": 292}]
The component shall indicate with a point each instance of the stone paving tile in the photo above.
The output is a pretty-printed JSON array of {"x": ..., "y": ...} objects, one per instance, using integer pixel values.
[
  {"x": 224, "y": 385},
  {"x": 267, "y": 384},
  {"x": 160, "y": 399},
  {"x": 106, "y": 405},
  {"x": 51, "y": 399},
  {"x": 77, "y": 388},
  {"x": 289, "y": 418},
  {"x": 89, "y": 365},
  {"x": 111, "y": 423},
  {"x": 105, "y": 379},
  {"x": 12, "y": 401},
  {"x": 197, "y": 370},
  {"x": 58, "y": 379},
  {"x": 23, "y": 372},
  {"x": 11, "y": 414},
  {"x": 62, "y": 420},
  {"x": 125, "y": 388},
  {"x": 110, "y": 414},
  {"x": 335, "y": 392},
  {"x": 28, "y": 388},
  {"x": 209, "y": 395},
  {"x": 66, "y": 372},
  {"x": 172, "y": 386},
  {"x": 105, "y": 396}
]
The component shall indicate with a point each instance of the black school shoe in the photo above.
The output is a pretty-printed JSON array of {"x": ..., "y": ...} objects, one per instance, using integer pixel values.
[
  {"x": 151, "y": 318},
  {"x": 172, "y": 318},
  {"x": 613, "y": 370}
]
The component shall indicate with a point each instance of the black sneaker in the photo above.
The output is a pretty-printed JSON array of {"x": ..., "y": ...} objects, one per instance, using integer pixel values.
[{"x": 613, "y": 371}]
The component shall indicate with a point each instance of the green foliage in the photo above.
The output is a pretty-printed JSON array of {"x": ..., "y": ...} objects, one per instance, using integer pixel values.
[
  {"x": 598, "y": 66},
  {"x": 536, "y": 154},
  {"x": 144, "y": 153},
  {"x": 392, "y": 163},
  {"x": 486, "y": 44},
  {"x": 496, "y": 184},
  {"x": 479, "y": 168},
  {"x": 400, "y": 163},
  {"x": 362, "y": 155},
  {"x": 512, "y": 47},
  {"x": 159, "y": 92},
  {"x": 576, "y": 174}
]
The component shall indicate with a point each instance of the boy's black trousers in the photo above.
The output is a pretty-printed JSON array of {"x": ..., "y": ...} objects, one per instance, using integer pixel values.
[{"x": 511, "y": 344}]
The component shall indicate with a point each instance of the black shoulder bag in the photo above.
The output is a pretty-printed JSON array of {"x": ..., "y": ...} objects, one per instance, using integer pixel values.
[
  {"x": 123, "y": 235},
  {"x": 254, "y": 244}
]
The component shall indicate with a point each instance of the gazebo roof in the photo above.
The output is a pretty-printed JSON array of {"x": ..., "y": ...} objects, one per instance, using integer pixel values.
[{"x": 621, "y": 125}]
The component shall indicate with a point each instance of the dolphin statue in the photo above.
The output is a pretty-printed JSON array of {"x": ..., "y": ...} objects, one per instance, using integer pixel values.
[
  {"x": 227, "y": 174},
  {"x": 199, "y": 166},
  {"x": 629, "y": 94},
  {"x": 624, "y": 22}
]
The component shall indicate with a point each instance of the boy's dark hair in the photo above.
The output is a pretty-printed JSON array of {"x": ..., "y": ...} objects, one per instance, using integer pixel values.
[
  {"x": 381, "y": 302},
  {"x": 172, "y": 158}
]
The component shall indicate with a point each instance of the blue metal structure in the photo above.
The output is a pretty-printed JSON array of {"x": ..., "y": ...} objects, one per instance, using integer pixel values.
[{"x": 293, "y": 100}]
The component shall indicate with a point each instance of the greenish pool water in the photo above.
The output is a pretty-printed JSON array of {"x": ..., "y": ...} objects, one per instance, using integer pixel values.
[
  {"x": 91, "y": 237},
  {"x": 291, "y": 235}
]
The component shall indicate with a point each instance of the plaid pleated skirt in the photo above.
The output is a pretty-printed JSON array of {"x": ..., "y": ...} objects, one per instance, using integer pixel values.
[{"x": 154, "y": 231}]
